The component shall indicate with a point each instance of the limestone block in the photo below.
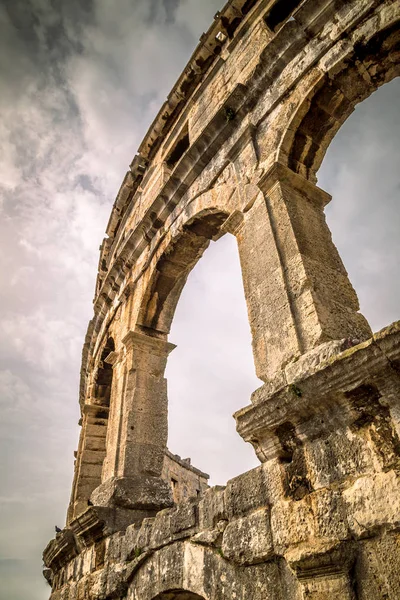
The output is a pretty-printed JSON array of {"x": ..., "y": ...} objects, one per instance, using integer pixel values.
[
  {"x": 245, "y": 493},
  {"x": 274, "y": 480},
  {"x": 372, "y": 503},
  {"x": 212, "y": 507},
  {"x": 144, "y": 535},
  {"x": 109, "y": 583},
  {"x": 114, "y": 547},
  {"x": 95, "y": 443},
  {"x": 185, "y": 516},
  {"x": 292, "y": 523},
  {"x": 329, "y": 515},
  {"x": 337, "y": 458},
  {"x": 310, "y": 362},
  {"x": 143, "y": 458},
  {"x": 248, "y": 540},
  {"x": 210, "y": 537},
  {"x": 161, "y": 529},
  {"x": 91, "y": 471},
  {"x": 88, "y": 561},
  {"x": 378, "y": 568},
  {"x": 130, "y": 543},
  {"x": 160, "y": 571},
  {"x": 146, "y": 493},
  {"x": 99, "y": 554}
]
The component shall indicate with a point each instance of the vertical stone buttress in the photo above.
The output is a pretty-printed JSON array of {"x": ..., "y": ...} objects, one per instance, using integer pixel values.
[
  {"x": 135, "y": 451},
  {"x": 297, "y": 289}
]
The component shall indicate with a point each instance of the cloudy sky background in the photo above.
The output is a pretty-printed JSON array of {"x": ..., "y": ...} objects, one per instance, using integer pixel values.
[{"x": 80, "y": 83}]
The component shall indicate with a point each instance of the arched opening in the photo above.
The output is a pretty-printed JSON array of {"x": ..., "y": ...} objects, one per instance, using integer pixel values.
[
  {"x": 371, "y": 64},
  {"x": 93, "y": 439},
  {"x": 103, "y": 377},
  {"x": 361, "y": 173},
  {"x": 178, "y": 595},
  {"x": 173, "y": 268},
  {"x": 211, "y": 373}
]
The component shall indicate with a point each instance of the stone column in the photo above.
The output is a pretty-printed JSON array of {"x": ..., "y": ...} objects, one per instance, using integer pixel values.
[
  {"x": 141, "y": 429},
  {"x": 297, "y": 289},
  {"x": 89, "y": 458}
]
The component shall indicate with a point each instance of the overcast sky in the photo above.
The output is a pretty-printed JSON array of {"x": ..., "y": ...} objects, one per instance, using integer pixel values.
[{"x": 81, "y": 80}]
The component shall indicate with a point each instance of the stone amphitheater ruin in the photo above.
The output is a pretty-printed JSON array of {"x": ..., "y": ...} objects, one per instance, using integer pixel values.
[{"x": 235, "y": 149}]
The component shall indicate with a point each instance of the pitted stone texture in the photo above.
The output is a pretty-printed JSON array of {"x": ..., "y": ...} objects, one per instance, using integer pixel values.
[
  {"x": 146, "y": 493},
  {"x": 373, "y": 503},
  {"x": 212, "y": 507},
  {"x": 248, "y": 540}
]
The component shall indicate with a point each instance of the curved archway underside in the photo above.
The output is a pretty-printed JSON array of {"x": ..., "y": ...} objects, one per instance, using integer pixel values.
[
  {"x": 333, "y": 99},
  {"x": 178, "y": 595},
  {"x": 235, "y": 149},
  {"x": 173, "y": 268}
]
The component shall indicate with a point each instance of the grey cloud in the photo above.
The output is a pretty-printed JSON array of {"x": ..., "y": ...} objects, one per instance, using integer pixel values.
[
  {"x": 77, "y": 95},
  {"x": 171, "y": 7}
]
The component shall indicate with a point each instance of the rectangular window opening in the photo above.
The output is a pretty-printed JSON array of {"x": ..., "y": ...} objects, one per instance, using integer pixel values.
[
  {"x": 179, "y": 148},
  {"x": 280, "y": 12},
  {"x": 175, "y": 490},
  {"x": 247, "y": 6}
]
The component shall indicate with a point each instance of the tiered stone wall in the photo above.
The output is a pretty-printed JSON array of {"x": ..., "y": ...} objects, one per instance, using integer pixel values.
[
  {"x": 186, "y": 480},
  {"x": 235, "y": 149},
  {"x": 319, "y": 519}
]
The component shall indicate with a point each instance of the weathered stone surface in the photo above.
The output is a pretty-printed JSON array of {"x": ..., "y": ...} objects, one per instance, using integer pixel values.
[
  {"x": 246, "y": 493},
  {"x": 373, "y": 503},
  {"x": 212, "y": 507},
  {"x": 248, "y": 540},
  {"x": 146, "y": 493},
  {"x": 236, "y": 148}
]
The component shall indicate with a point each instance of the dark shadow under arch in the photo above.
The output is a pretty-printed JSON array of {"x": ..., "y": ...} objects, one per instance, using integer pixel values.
[
  {"x": 173, "y": 268},
  {"x": 371, "y": 65},
  {"x": 178, "y": 595},
  {"x": 103, "y": 377}
]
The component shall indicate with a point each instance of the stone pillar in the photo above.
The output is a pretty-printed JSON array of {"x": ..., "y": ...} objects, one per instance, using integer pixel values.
[
  {"x": 89, "y": 458},
  {"x": 297, "y": 289},
  {"x": 141, "y": 429}
]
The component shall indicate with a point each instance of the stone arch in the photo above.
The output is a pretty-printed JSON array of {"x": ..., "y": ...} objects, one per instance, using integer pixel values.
[
  {"x": 93, "y": 439},
  {"x": 173, "y": 267},
  {"x": 103, "y": 376},
  {"x": 178, "y": 595},
  {"x": 362, "y": 67}
]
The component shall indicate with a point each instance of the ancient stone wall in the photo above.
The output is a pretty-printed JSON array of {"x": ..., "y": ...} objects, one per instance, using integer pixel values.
[
  {"x": 186, "y": 480},
  {"x": 235, "y": 149}
]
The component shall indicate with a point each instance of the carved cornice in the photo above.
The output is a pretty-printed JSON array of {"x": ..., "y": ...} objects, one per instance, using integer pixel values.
[
  {"x": 89, "y": 526},
  {"x": 60, "y": 550},
  {"x": 316, "y": 385},
  {"x": 334, "y": 562},
  {"x": 135, "y": 340},
  {"x": 280, "y": 174}
]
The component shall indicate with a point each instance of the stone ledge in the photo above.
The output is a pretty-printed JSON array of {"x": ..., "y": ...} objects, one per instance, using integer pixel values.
[
  {"x": 60, "y": 550},
  {"x": 139, "y": 493},
  {"x": 317, "y": 384}
]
